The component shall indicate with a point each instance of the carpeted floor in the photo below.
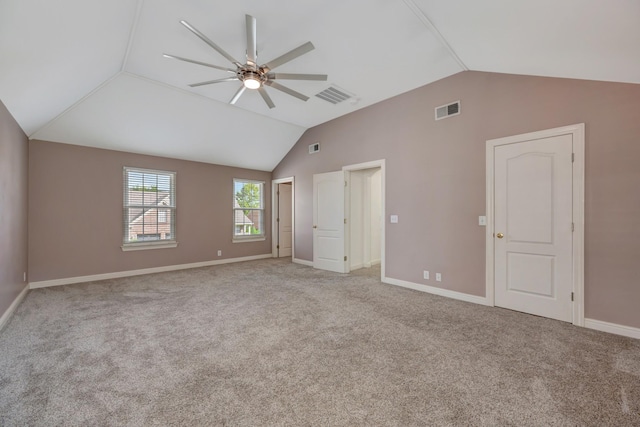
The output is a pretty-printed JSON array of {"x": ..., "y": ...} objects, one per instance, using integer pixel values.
[{"x": 274, "y": 343}]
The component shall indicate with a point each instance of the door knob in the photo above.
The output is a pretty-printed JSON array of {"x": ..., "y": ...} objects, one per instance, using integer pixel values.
[
  {"x": 499, "y": 235},
  {"x": 315, "y": 226}
]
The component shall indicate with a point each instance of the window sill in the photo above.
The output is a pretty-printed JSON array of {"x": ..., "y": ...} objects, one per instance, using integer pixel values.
[
  {"x": 145, "y": 246},
  {"x": 248, "y": 239}
]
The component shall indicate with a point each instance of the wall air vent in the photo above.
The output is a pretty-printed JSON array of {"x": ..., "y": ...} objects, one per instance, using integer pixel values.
[
  {"x": 314, "y": 148},
  {"x": 334, "y": 95},
  {"x": 448, "y": 110}
]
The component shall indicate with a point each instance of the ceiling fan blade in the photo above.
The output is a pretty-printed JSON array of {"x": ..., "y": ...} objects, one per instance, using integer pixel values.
[
  {"x": 252, "y": 54},
  {"x": 210, "y": 43},
  {"x": 210, "y": 82},
  {"x": 288, "y": 76},
  {"x": 286, "y": 90},
  {"x": 237, "y": 95},
  {"x": 266, "y": 97},
  {"x": 217, "y": 67},
  {"x": 289, "y": 56}
]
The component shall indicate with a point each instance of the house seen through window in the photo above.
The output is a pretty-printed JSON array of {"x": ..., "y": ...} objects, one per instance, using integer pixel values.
[
  {"x": 149, "y": 206},
  {"x": 248, "y": 209}
]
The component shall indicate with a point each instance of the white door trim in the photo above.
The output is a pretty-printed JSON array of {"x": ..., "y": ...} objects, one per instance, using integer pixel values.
[
  {"x": 578, "y": 133},
  {"x": 274, "y": 215},
  {"x": 371, "y": 165}
]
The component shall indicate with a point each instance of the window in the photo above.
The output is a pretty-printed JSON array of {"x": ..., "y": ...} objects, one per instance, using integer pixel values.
[
  {"x": 248, "y": 210},
  {"x": 163, "y": 213},
  {"x": 149, "y": 209},
  {"x": 143, "y": 237}
]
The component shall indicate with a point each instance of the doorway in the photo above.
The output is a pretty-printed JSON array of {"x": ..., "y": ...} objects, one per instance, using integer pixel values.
[
  {"x": 283, "y": 209},
  {"x": 348, "y": 218},
  {"x": 535, "y": 225},
  {"x": 365, "y": 209}
]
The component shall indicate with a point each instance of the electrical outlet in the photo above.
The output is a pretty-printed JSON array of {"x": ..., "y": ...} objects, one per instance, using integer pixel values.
[
  {"x": 438, "y": 277},
  {"x": 425, "y": 275},
  {"x": 219, "y": 253}
]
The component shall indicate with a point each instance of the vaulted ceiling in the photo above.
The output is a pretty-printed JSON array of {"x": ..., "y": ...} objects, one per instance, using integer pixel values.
[{"x": 92, "y": 72}]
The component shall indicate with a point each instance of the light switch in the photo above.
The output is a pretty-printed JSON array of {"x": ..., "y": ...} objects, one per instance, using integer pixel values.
[
  {"x": 482, "y": 220},
  {"x": 394, "y": 219}
]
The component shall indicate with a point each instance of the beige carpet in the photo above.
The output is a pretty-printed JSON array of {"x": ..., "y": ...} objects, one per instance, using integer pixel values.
[{"x": 274, "y": 343}]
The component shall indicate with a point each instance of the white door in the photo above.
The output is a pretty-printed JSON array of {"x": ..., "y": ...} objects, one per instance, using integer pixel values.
[
  {"x": 328, "y": 222},
  {"x": 285, "y": 227},
  {"x": 533, "y": 226}
]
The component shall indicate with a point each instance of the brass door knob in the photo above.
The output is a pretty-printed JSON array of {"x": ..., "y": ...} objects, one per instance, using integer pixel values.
[
  {"x": 315, "y": 226},
  {"x": 499, "y": 235}
]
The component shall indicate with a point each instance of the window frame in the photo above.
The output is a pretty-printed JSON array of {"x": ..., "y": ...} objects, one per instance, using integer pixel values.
[
  {"x": 239, "y": 238},
  {"x": 171, "y": 216}
]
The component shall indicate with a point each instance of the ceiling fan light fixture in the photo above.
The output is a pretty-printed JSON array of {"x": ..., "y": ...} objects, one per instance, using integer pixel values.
[{"x": 252, "y": 82}]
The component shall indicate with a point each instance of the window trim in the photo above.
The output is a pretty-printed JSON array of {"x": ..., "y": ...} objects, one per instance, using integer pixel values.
[
  {"x": 251, "y": 237},
  {"x": 148, "y": 244},
  {"x": 141, "y": 246}
]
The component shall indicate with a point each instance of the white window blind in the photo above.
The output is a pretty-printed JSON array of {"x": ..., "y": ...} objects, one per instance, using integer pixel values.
[
  {"x": 149, "y": 206},
  {"x": 248, "y": 209}
]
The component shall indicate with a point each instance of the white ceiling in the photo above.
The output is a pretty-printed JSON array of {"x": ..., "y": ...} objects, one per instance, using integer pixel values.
[{"x": 91, "y": 72}]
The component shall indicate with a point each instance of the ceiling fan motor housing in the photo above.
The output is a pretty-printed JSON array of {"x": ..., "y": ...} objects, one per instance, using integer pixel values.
[{"x": 245, "y": 74}]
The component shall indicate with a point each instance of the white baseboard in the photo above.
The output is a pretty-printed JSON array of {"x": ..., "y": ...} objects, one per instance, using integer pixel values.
[
  {"x": 598, "y": 325},
  {"x": 436, "y": 291},
  {"x": 366, "y": 264},
  {"x": 612, "y": 328},
  {"x": 6, "y": 316},
  {"x": 118, "y": 274},
  {"x": 303, "y": 262}
]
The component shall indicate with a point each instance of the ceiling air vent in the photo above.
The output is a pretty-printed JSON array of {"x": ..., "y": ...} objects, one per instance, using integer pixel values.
[
  {"x": 314, "y": 148},
  {"x": 334, "y": 95},
  {"x": 444, "y": 111}
]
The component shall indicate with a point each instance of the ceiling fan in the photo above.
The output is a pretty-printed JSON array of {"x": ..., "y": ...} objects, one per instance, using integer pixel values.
[{"x": 252, "y": 75}]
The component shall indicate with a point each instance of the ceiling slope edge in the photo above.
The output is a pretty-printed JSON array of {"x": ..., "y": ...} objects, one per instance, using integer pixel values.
[
  {"x": 125, "y": 57},
  {"x": 132, "y": 34},
  {"x": 434, "y": 30},
  {"x": 34, "y": 135}
]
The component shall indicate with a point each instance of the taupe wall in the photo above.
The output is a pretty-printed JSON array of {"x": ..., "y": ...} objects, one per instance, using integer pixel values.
[
  {"x": 13, "y": 208},
  {"x": 435, "y": 177},
  {"x": 75, "y": 212}
]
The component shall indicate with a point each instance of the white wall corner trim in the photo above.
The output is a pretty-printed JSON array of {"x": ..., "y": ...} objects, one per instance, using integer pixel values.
[
  {"x": 303, "y": 262},
  {"x": 437, "y": 291},
  {"x": 4, "y": 320},
  {"x": 129, "y": 273},
  {"x": 612, "y": 328}
]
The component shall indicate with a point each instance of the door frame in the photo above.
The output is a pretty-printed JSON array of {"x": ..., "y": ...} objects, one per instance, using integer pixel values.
[
  {"x": 577, "y": 132},
  {"x": 274, "y": 215},
  {"x": 361, "y": 166}
]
